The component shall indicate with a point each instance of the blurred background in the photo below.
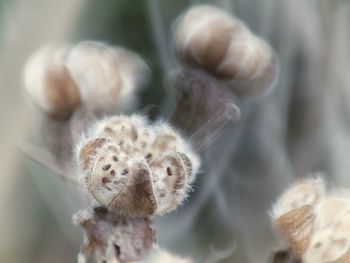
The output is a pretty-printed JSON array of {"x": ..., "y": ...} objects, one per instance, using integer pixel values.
[{"x": 302, "y": 126}]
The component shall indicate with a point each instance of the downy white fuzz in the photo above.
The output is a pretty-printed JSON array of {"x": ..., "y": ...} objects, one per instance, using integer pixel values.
[
  {"x": 227, "y": 49},
  {"x": 162, "y": 256},
  {"x": 102, "y": 78},
  {"x": 49, "y": 83},
  {"x": 135, "y": 168}
]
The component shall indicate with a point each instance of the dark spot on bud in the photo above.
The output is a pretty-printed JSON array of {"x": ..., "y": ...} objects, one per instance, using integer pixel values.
[
  {"x": 101, "y": 211},
  {"x": 106, "y": 167},
  {"x": 125, "y": 172},
  {"x": 169, "y": 171},
  {"x": 112, "y": 172},
  {"x": 117, "y": 250},
  {"x": 105, "y": 180},
  {"x": 115, "y": 158},
  {"x": 148, "y": 156}
]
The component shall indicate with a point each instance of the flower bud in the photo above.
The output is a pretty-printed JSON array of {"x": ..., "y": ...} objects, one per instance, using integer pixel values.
[
  {"x": 211, "y": 39},
  {"x": 316, "y": 226},
  {"x": 135, "y": 168},
  {"x": 103, "y": 79}
]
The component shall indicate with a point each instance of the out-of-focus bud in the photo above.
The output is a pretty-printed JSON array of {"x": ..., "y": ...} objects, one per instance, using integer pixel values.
[
  {"x": 48, "y": 82},
  {"x": 108, "y": 77},
  {"x": 213, "y": 40},
  {"x": 129, "y": 168},
  {"x": 103, "y": 79}
]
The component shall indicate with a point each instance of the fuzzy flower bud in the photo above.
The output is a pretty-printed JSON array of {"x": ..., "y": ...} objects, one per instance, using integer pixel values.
[{"x": 135, "y": 168}]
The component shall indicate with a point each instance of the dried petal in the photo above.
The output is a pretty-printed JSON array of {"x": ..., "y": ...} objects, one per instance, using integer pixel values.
[{"x": 297, "y": 228}]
